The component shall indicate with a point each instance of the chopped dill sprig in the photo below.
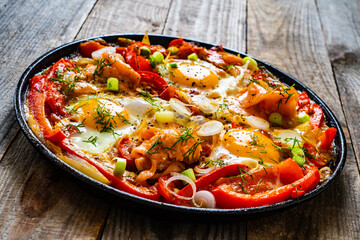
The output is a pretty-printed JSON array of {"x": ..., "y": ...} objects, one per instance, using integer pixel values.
[{"x": 92, "y": 140}]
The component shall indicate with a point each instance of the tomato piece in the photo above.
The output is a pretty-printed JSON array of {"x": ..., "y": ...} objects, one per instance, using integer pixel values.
[
  {"x": 124, "y": 150},
  {"x": 289, "y": 171},
  {"x": 164, "y": 190},
  {"x": 326, "y": 138},
  {"x": 206, "y": 180},
  {"x": 313, "y": 156},
  {"x": 227, "y": 198},
  {"x": 131, "y": 59},
  {"x": 87, "y": 48},
  {"x": 121, "y": 50},
  {"x": 149, "y": 192},
  {"x": 303, "y": 102},
  {"x": 176, "y": 42},
  {"x": 169, "y": 92},
  {"x": 317, "y": 116},
  {"x": 144, "y": 64},
  {"x": 153, "y": 81}
]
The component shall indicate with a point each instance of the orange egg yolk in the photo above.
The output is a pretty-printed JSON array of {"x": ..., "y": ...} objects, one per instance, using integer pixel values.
[
  {"x": 191, "y": 74},
  {"x": 250, "y": 144},
  {"x": 102, "y": 114}
]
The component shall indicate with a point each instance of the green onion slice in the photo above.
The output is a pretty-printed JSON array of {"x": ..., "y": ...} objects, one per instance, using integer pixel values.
[
  {"x": 298, "y": 156},
  {"x": 120, "y": 166},
  {"x": 189, "y": 173},
  {"x": 159, "y": 58},
  {"x": 113, "y": 84},
  {"x": 303, "y": 118},
  {"x": 193, "y": 57}
]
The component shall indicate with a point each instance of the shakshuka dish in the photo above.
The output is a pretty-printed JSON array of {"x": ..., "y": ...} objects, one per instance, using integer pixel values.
[{"x": 181, "y": 124}]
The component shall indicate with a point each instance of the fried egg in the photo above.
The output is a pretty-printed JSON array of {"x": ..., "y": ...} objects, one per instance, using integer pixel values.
[
  {"x": 240, "y": 144},
  {"x": 101, "y": 121}
]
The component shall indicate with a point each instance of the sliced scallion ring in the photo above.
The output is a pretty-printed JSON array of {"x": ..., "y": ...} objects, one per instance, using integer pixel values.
[{"x": 120, "y": 166}]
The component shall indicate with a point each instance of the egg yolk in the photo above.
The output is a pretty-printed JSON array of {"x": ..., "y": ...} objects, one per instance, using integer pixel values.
[
  {"x": 250, "y": 144},
  {"x": 102, "y": 114},
  {"x": 191, "y": 74}
]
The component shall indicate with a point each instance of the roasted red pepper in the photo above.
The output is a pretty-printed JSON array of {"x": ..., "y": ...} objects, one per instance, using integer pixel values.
[
  {"x": 124, "y": 150},
  {"x": 314, "y": 110},
  {"x": 153, "y": 81},
  {"x": 206, "y": 180},
  {"x": 314, "y": 156},
  {"x": 326, "y": 138},
  {"x": 164, "y": 190},
  {"x": 87, "y": 48},
  {"x": 227, "y": 198}
]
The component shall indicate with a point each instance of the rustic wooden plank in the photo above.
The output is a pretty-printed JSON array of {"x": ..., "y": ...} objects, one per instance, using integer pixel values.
[
  {"x": 39, "y": 202},
  {"x": 289, "y": 36},
  {"x": 130, "y": 225},
  {"x": 126, "y": 16},
  {"x": 211, "y": 21},
  {"x": 341, "y": 25},
  {"x": 28, "y": 29},
  {"x": 217, "y": 22}
]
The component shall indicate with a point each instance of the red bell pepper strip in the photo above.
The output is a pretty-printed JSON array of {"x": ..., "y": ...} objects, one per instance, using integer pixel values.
[
  {"x": 303, "y": 102},
  {"x": 157, "y": 83},
  {"x": 143, "y": 64},
  {"x": 124, "y": 149},
  {"x": 54, "y": 97},
  {"x": 87, "y": 48},
  {"x": 289, "y": 171},
  {"x": 314, "y": 156},
  {"x": 228, "y": 170},
  {"x": 176, "y": 42},
  {"x": 169, "y": 92},
  {"x": 120, "y": 183},
  {"x": 317, "y": 116},
  {"x": 36, "y": 102},
  {"x": 326, "y": 138},
  {"x": 164, "y": 190},
  {"x": 227, "y": 198}
]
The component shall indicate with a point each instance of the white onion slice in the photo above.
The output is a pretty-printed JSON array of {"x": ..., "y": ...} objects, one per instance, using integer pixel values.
[
  {"x": 203, "y": 171},
  {"x": 179, "y": 107},
  {"x": 210, "y": 128},
  {"x": 198, "y": 120},
  {"x": 257, "y": 122},
  {"x": 252, "y": 163},
  {"x": 288, "y": 137},
  {"x": 97, "y": 54},
  {"x": 204, "y": 104},
  {"x": 182, "y": 177},
  {"x": 204, "y": 198},
  {"x": 137, "y": 107}
]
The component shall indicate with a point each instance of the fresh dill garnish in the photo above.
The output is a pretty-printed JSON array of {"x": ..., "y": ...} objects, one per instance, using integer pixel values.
[
  {"x": 92, "y": 140},
  {"x": 74, "y": 109},
  {"x": 147, "y": 97},
  {"x": 123, "y": 119},
  {"x": 242, "y": 187},
  {"x": 284, "y": 97},
  {"x": 242, "y": 170},
  {"x": 217, "y": 163},
  {"x": 68, "y": 127},
  {"x": 68, "y": 80},
  {"x": 192, "y": 150},
  {"x": 100, "y": 64},
  {"x": 257, "y": 185},
  {"x": 184, "y": 137},
  {"x": 156, "y": 143},
  {"x": 254, "y": 141}
]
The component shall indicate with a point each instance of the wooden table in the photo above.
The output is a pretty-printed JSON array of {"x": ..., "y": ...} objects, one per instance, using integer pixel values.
[{"x": 317, "y": 42}]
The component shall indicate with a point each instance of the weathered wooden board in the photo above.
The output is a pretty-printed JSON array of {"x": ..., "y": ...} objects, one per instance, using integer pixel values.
[
  {"x": 217, "y": 22},
  {"x": 290, "y": 37},
  {"x": 126, "y": 16},
  {"x": 341, "y": 25},
  {"x": 37, "y": 201},
  {"x": 29, "y": 29}
]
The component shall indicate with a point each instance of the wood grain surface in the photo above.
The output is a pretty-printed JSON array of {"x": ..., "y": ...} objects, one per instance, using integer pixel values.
[{"x": 316, "y": 41}]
